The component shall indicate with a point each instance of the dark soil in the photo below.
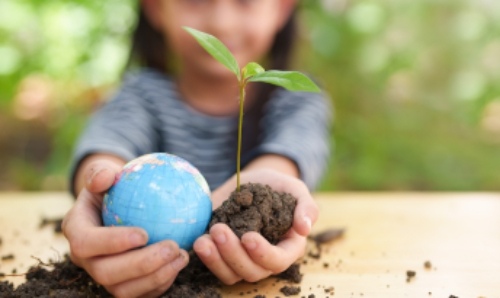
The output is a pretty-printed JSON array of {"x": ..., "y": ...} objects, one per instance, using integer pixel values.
[
  {"x": 56, "y": 222},
  {"x": 327, "y": 236},
  {"x": 254, "y": 208},
  {"x": 257, "y": 208},
  {"x": 290, "y": 290},
  {"x": 324, "y": 237},
  {"x": 7, "y": 257},
  {"x": 428, "y": 265},
  {"x": 410, "y": 274},
  {"x": 291, "y": 274}
]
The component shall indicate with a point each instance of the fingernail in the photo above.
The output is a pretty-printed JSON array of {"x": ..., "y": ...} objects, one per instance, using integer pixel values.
[
  {"x": 166, "y": 252},
  {"x": 136, "y": 239},
  {"x": 206, "y": 252},
  {"x": 308, "y": 222},
  {"x": 179, "y": 262},
  {"x": 251, "y": 245},
  {"x": 94, "y": 173},
  {"x": 220, "y": 238}
]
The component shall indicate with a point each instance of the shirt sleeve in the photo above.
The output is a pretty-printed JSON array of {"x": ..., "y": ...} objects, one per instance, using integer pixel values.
[
  {"x": 297, "y": 125},
  {"x": 124, "y": 127}
]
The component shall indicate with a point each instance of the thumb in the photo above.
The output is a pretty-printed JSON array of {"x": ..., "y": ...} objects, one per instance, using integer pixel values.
[
  {"x": 306, "y": 214},
  {"x": 100, "y": 178}
]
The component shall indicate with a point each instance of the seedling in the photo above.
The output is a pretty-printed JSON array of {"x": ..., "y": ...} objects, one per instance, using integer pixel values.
[{"x": 252, "y": 72}]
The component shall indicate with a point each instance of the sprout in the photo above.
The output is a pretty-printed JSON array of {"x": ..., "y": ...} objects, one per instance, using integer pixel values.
[{"x": 252, "y": 72}]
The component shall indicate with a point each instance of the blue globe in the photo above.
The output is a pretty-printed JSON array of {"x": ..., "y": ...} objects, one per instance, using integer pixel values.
[{"x": 163, "y": 194}]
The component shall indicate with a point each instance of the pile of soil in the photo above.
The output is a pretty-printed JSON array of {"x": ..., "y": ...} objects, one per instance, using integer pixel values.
[
  {"x": 258, "y": 208},
  {"x": 255, "y": 208}
]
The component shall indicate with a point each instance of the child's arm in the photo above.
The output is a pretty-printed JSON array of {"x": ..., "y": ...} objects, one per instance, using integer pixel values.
[
  {"x": 116, "y": 257},
  {"x": 276, "y": 162},
  {"x": 253, "y": 258}
]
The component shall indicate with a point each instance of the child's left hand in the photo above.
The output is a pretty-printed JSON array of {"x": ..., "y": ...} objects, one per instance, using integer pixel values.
[{"x": 253, "y": 258}]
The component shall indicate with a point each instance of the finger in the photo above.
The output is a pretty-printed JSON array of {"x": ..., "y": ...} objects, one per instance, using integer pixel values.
[
  {"x": 274, "y": 258},
  {"x": 82, "y": 228},
  {"x": 207, "y": 251},
  {"x": 235, "y": 255},
  {"x": 87, "y": 238},
  {"x": 306, "y": 214},
  {"x": 115, "y": 269},
  {"x": 153, "y": 284},
  {"x": 86, "y": 210},
  {"x": 160, "y": 290},
  {"x": 99, "y": 241},
  {"x": 100, "y": 177}
]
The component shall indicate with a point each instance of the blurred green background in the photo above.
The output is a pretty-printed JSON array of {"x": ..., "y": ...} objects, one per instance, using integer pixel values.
[{"x": 415, "y": 84}]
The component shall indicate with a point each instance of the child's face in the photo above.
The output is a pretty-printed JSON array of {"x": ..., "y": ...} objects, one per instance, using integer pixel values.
[{"x": 246, "y": 27}]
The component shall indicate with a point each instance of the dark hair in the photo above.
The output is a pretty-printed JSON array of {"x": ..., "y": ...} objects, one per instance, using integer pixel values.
[{"x": 149, "y": 49}]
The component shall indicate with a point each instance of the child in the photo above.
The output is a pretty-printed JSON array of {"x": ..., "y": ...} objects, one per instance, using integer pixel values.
[{"x": 183, "y": 102}]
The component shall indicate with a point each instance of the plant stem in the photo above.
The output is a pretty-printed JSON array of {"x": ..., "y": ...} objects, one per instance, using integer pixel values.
[{"x": 240, "y": 132}]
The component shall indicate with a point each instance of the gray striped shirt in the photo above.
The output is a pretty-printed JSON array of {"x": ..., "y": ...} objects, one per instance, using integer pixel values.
[{"x": 148, "y": 115}]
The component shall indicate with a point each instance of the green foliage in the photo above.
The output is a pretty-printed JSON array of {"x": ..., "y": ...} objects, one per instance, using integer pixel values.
[
  {"x": 414, "y": 91},
  {"x": 217, "y": 49},
  {"x": 252, "y": 72},
  {"x": 57, "y": 61},
  {"x": 290, "y": 80},
  {"x": 414, "y": 85},
  {"x": 252, "y": 69}
]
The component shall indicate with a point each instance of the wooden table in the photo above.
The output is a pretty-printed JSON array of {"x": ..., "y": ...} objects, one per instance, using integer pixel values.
[{"x": 387, "y": 234}]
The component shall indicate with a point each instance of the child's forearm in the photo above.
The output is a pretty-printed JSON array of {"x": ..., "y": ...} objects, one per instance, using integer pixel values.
[
  {"x": 91, "y": 165},
  {"x": 275, "y": 162}
]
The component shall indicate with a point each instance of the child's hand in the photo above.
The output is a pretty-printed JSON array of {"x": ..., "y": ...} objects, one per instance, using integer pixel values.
[
  {"x": 115, "y": 256},
  {"x": 254, "y": 258}
]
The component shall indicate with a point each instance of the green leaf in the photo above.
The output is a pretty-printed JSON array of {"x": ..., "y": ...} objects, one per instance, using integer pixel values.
[
  {"x": 252, "y": 69},
  {"x": 216, "y": 48},
  {"x": 290, "y": 80}
]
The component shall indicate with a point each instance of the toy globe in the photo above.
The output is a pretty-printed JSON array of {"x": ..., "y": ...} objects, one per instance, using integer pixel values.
[{"x": 163, "y": 194}]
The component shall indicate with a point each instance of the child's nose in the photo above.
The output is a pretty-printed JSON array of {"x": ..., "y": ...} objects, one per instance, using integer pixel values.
[{"x": 223, "y": 18}]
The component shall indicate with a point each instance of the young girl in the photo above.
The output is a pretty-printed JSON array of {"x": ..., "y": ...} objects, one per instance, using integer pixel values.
[{"x": 181, "y": 101}]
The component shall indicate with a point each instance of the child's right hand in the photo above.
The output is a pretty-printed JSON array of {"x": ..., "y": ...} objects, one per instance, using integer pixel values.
[{"x": 116, "y": 256}]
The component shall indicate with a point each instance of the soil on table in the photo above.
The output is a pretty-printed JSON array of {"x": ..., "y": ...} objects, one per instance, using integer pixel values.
[{"x": 255, "y": 208}]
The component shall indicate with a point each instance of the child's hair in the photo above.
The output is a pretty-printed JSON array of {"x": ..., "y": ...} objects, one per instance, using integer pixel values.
[{"x": 149, "y": 49}]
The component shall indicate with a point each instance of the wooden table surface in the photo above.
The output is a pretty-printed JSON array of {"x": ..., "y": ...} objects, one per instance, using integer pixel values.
[{"x": 386, "y": 235}]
